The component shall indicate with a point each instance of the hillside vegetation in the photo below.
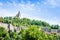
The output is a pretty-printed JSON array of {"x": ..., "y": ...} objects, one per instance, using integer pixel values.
[
  {"x": 27, "y": 22},
  {"x": 32, "y": 33}
]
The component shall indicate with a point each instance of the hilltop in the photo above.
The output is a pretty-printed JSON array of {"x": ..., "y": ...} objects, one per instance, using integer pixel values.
[
  {"x": 38, "y": 29},
  {"x": 16, "y": 21}
]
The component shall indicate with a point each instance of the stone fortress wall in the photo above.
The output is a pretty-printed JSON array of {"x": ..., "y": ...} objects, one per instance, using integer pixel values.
[
  {"x": 50, "y": 31},
  {"x": 4, "y": 25}
]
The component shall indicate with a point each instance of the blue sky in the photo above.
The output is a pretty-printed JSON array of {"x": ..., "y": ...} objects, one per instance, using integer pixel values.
[{"x": 45, "y": 10}]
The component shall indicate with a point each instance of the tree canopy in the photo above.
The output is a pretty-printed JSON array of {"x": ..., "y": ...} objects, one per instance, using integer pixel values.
[{"x": 24, "y": 21}]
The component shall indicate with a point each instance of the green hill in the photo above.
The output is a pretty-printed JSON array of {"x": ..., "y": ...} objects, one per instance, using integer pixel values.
[{"x": 16, "y": 21}]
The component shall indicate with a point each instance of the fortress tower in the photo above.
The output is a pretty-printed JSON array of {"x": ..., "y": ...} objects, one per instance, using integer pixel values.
[{"x": 18, "y": 14}]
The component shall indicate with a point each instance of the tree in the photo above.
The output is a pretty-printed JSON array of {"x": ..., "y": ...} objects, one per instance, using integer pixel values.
[
  {"x": 55, "y": 26},
  {"x": 3, "y": 32},
  {"x": 1, "y": 38},
  {"x": 1, "y": 19},
  {"x": 33, "y": 33},
  {"x": 53, "y": 36},
  {"x": 13, "y": 35},
  {"x": 7, "y": 37}
]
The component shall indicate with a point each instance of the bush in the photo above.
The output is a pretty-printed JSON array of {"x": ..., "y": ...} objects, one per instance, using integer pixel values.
[{"x": 33, "y": 33}]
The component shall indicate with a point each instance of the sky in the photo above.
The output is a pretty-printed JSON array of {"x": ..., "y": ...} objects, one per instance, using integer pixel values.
[{"x": 45, "y": 10}]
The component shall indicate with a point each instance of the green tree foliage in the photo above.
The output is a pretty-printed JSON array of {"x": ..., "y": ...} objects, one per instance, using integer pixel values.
[
  {"x": 13, "y": 35},
  {"x": 24, "y": 21},
  {"x": 7, "y": 19},
  {"x": 1, "y": 19},
  {"x": 33, "y": 33},
  {"x": 1, "y": 38},
  {"x": 53, "y": 36},
  {"x": 3, "y": 33},
  {"x": 7, "y": 37},
  {"x": 55, "y": 26}
]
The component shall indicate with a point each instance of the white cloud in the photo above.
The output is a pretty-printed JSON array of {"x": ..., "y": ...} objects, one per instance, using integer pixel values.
[
  {"x": 52, "y": 3},
  {"x": 54, "y": 21},
  {"x": 32, "y": 11},
  {"x": 5, "y": 12}
]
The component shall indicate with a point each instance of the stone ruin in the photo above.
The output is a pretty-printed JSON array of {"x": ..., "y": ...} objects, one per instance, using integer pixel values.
[
  {"x": 10, "y": 27},
  {"x": 18, "y": 15},
  {"x": 49, "y": 31}
]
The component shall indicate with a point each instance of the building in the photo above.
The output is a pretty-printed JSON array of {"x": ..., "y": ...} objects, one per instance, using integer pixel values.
[
  {"x": 18, "y": 14},
  {"x": 10, "y": 26}
]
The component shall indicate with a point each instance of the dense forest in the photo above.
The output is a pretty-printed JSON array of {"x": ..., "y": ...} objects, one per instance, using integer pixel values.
[{"x": 32, "y": 33}]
